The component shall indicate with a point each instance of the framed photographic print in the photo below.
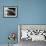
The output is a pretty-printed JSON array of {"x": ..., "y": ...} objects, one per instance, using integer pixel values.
[
  {"x": 10, "y": 11},
  {"x": 33, "y": 32}
]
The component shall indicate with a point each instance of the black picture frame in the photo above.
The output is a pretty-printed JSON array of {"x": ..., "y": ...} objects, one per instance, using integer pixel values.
[{"x": 10, "y": 11}]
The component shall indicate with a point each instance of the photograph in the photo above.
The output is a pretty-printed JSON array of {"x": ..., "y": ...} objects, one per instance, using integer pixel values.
[
  {"x": 10, "y": 11},
  {"x": 32, "y": 32}
]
